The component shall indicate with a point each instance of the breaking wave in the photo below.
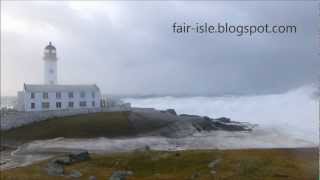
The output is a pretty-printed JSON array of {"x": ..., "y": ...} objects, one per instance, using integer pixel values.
[{"x": 294, "y": 113}]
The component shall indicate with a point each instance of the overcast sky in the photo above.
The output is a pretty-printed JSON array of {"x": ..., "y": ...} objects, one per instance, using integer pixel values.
[{"x": 129, "y": 47}]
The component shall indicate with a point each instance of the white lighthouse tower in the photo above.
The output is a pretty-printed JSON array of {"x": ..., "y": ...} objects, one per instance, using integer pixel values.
[{"x": 50, "y": 64}]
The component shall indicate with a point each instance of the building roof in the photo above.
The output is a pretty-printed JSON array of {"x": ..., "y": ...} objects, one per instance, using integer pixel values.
[{"x": 57, "y": 88}]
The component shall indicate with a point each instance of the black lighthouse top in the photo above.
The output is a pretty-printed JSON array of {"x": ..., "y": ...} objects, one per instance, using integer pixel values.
[
  {"x": 50, "y": 47},
  {"x": 50, "y": 52}
]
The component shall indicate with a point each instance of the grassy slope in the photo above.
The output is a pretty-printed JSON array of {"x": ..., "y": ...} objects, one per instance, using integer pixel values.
[
  {"x": 299, "y": 164},
  {"x": 107, "y": 124}
]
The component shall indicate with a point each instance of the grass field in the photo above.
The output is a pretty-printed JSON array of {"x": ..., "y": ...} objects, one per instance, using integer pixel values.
[
  {"x": 274, "y": 164},
  {"x": 107, "y": 124}
]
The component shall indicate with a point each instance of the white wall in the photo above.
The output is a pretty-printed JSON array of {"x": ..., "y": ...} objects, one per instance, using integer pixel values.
[
  {"x": 16, "y": 119},
  {"x": 48, "y": 76},
  {"x": 64, "y": 100}
]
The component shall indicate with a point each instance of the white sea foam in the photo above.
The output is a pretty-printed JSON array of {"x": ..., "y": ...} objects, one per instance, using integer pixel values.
[{"x": 294, "y": 113}]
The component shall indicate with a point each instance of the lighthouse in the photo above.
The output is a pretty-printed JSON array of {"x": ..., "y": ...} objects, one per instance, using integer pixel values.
[
  {"x": 50, "y": 64},
  {"x": 53, "y": 96}
]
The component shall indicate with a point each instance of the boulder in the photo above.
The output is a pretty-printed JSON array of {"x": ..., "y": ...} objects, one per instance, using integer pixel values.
[
  {"x": 79, "y": 156},
  {"x": 224, "y": 120},
  {"x": 171, "y": 111},
  {"x": 75, "y": 174},
  {"x": 120, "y": 175},
  {"x": 213, "y": 163},
  {"x": 72, "y": 158},
  {"x": 195, "y": 176},
  {"x": 63, "y": 160},
  {"x": 55, "y": 169},
  {"x": 92, "y": 178}
]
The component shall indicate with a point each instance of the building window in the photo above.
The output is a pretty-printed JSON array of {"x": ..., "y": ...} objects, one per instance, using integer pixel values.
[
  {"x": 45, "y": 95},
  {"x": 51, "y": 71},
  {"x": 32, "y": 95},
  {"x": 45, "y": 105},
  {"x": 70, "y": 104},
  {"x": 83, "y": 104},
  {"x": 82, "y": 94},
  {"x": 58, "y": 95},
  {"x": 33, "y": 105},
  {"x": 58, "y": 105},
  {"x": 93, "y": 95},
  {"x": 93, "y": 104},
  {"x": 70, "y": 94}
]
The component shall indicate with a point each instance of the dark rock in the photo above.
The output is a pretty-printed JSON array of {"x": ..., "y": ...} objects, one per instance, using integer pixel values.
[
  {"x": 55, "y": 169},
  {"x": 75, "y": 174},
  {"x": 120, "y": 175},
  {"x": 213, "y": 163},
  {"x": 188, "y": 115},
  {"x": 79, "y": 156},
  {"x": 92, "y": 178},
  {"x": 171, "y": 111},
  {"x": 72, "y": 158},
  {"x": 231, "y": 126},
  {"x": 195, "y": 176},
  {"x": 63, "y": 160},
  {"x": 224, "y": 120}
]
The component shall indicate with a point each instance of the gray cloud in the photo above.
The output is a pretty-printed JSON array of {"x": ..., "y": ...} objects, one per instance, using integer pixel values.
[{"x": 129, "y": 47}]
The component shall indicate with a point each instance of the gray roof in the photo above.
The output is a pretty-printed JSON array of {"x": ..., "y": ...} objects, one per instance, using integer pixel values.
[{"x": 57, "y": 88}]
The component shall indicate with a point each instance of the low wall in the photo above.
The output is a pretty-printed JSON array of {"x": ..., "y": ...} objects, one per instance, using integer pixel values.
[{"x": 16, "y": 118}]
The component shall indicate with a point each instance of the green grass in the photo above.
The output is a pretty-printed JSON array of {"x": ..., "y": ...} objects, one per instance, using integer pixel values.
[
  {"x": 106, "y": 124},
  {"x": 272, "y": 164}
]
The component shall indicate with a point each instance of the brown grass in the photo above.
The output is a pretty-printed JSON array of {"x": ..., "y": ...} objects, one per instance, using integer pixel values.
[{"x": 269, "y": 164}]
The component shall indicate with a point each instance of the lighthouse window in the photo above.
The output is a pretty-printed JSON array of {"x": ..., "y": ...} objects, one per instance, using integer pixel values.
[
  {"x": 45, "y": 95},
  {"x": 32, "y": 95}
]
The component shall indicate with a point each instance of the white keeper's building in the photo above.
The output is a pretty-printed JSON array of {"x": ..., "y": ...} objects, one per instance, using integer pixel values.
[{"x": 53, "y": 96}]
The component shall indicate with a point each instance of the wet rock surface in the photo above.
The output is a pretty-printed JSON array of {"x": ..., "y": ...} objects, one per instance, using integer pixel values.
[
  {"x": 55, "y": 167},
  {"x": 168, "y": 124},
  {"x": 120, "y": 175}
]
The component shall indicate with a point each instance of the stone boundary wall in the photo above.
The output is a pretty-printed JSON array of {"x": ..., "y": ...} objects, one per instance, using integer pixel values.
[{"x": 15, "y": 119}]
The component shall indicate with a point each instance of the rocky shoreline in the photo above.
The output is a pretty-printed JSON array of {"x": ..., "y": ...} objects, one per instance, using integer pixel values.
[
  {"x": 172, "y": 125},
  {"x": 169, "y": 132}
]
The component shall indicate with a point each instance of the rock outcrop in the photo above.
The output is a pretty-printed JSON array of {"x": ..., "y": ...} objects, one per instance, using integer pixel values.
[
  {"x": 55, "y": 167},
  {"x": 169, "y": 124}
]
